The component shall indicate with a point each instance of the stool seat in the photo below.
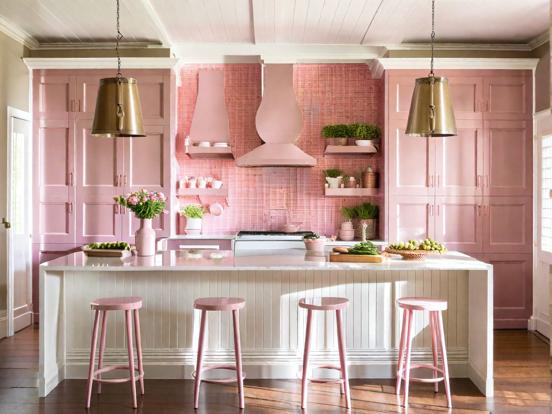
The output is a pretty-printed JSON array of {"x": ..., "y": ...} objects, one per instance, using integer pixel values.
[
  {"x": 219, "y": 304},
  {"x": 422, "y": 304},
  {"x": 326, "y": 303},
  {"x": 118, "y": 303}
]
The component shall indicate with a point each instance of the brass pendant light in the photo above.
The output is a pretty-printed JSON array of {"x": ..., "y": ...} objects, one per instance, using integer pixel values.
[
  {"x": 431, "y": 113},
  {"x": 118, "y": 110}
]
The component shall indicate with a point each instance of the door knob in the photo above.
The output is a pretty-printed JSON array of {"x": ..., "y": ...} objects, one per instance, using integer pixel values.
[{"x": 6, "y": 223}]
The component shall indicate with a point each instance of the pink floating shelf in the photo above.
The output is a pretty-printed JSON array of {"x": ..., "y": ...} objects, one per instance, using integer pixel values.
[
  {"x": 203, "y": 192},
  {"x": 349, "y": 150},
  {"x": 351, "y": 192},
  {"x": 209, "y": 152}
]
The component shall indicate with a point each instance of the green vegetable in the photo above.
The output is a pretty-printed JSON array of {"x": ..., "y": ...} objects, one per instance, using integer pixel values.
[
  {"x": 428, "y": 244},
  {"x": 192, "y": 211},
  {"x": 366, "y": 248},
  {"x": 119, "y": 245}
]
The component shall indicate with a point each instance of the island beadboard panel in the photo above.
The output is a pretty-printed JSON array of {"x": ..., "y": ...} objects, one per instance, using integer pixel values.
[
  {"x": 272, "y": 325},
  {"x": 265, "y": 198}
]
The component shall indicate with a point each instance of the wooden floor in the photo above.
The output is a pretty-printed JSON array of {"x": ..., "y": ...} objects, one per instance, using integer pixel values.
[{"x": 522, "y": 381}]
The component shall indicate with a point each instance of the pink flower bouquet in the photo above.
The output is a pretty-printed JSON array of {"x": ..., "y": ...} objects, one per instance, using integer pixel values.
[{"x": 144, "y": 204}]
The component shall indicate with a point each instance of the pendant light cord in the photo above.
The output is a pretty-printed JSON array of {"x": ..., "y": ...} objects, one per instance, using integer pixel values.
[
  {"x": 432, "y": 35},
  {"x": 118, "y": 39}
]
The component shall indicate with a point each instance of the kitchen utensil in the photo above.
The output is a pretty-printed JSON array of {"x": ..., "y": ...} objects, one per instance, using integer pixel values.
[
  {"x": 105, "y": 252},
  {"x": 220, "y": 144},
  {"x": 217, "y": 184},
  {"x": 204, "y": 144},
  {"x": 410, "y": 254},
  {"x": 216, "y": 209}
]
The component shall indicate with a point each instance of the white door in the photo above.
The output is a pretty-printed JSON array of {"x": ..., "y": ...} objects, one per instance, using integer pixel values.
[{"x": 18, "y": 223}]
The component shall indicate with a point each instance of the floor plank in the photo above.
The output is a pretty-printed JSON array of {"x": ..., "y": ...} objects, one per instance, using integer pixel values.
[{"x": 522, "y": 385}]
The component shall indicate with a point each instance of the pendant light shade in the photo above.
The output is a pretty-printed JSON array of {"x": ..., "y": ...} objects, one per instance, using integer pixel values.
[
  {"x": 118, "y": 109},
  {"x": 431, "y": 113}
]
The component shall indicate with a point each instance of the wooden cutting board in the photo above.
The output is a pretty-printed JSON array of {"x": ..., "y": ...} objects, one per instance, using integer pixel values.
[{"x": 355, "y": 258}]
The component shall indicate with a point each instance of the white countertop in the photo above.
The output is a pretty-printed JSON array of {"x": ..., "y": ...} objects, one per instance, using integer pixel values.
[{"x": 290, "y": 259}]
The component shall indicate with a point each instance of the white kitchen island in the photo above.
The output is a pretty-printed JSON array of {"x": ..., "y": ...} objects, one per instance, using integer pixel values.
[{"x": 272, "y": 326}]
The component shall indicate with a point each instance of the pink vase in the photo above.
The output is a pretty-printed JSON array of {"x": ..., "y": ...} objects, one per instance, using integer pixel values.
[{"x": 145, "y": 239}]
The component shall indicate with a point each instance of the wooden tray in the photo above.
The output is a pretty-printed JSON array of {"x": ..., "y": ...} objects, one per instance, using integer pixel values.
[
  {"x": 355, "y": 258},
  {"x": 410, "y": 254},
  {"x": 106, "y": 252}
]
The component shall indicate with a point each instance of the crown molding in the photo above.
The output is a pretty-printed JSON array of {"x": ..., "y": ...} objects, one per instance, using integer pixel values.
[
  {"x": 456, "y": 63},
  {"x": 18, "y": 34},
  {"x": 512, "y": 47},
  {"x": 98, "y": 45},
  {"x": 539, "y": 40},
  {"x": 100, "y": 63}
]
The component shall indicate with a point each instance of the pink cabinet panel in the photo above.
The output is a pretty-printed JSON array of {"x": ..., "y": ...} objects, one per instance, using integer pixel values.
[
  {"x": 509, "y": 96},
  {"x": 53, "y": 97},
  {"x": 508, "y": 225},
  {"x": 467, "y": 94},
  {"x": 400, "y": 89},
  {"x": 508, "y": 159},
  {"x": 458, "y": 223},
  {"x": 512, "y": 289},
  {"x": 86, "y": 93},
  {"x": 411, "y": 162},
  {"x": 155, "y": 98},
  {"x": 410, "y": 218},
  {"x": 459, "y": 161}
]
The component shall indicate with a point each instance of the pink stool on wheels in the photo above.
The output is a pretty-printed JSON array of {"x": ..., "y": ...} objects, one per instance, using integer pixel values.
[
  {"x": 220, "y": 305},
  {"x": 325, "y": 304},
  {"x": 101, "y": 306},
  {"x": 434, "y": 307}
]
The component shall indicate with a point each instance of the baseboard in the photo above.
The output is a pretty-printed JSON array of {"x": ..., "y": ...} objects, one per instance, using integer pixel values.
[
  {"x": 22, "y": 321},
  {"x": 3, "y": 326},
  {"x": 510, "y": 323},
  {"x": 540, "y": 325}
]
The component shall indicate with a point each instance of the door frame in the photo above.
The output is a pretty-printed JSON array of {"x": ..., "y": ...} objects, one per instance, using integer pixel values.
[{"x": 25, "y": 116}]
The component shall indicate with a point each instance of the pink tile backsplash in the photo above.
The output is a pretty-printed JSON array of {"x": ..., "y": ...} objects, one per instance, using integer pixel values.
[{"x": 265, "y": 198}]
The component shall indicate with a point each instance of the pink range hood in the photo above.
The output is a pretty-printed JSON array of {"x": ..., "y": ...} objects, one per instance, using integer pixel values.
[{"x": 278, "y": 122}]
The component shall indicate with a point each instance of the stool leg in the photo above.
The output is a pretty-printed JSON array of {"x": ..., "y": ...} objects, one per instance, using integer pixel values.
[
  {"x": 343, "y": 358},
  {"x": 304, "y": 390},
  {"x": 439, "y": 317},
  {"x": 434, "y": 334},
  {"x": 138, "y": 337},
  {"x": 130, "y": 357},
  {"x": 102, "y": 348},
  {"x": 237, "y": 352},
  {"x": 92, "y": 356},
  {"x": 408, "y": 355},
  {"x": 199, "y": 362},
  {"x": 400, "y": 359}
]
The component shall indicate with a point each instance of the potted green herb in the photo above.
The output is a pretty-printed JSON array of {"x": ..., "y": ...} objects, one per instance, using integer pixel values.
[
  {"x": 314, "y": 242},
  {"x": 367, "y": 215},
  {"x": 366, "y": 134},
  {"x": 194, "y": 217},
  {"x": 347, "y": 231},
  {"x": 339, "y": 133},
  {"x": 334, "y": 177}
]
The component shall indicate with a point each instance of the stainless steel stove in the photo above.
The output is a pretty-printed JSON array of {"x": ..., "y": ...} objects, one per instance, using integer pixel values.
[{"x": 248, "y": 242}]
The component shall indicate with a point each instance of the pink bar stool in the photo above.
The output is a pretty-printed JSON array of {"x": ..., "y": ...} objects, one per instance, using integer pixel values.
[
  {"x": 220, "y": 305},
  {"x": 325, "y": 304},
  {"x": 434, "y": 307},
  {"x": 130, "y": 305}
]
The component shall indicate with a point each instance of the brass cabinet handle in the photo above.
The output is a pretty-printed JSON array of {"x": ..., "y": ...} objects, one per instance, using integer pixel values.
[
  {"x": 6, "y": 223},
  {"x": 71, "y": 179},
  {"x": 70, "y": 208}
]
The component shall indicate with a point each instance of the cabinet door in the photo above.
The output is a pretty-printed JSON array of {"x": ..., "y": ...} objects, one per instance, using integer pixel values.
[
  {"x": 512, "y": 289},
  {"x": 411, "y": 162},
  {"x": 54, "y": 153},
  {"x": 410, "y": 218},
  {"x": 54, "y": 97},
  {"x": 400, "y": 90},
  {"x": 147, "y": 165},
  {"x": 458, "y": 223},
  {"x": 154, "y": 89},
  {"x": 466, "y": 93},
  {"x": 508, "y": 158},
  {"x": 459, "y": 161},
  {"x": 98, "y": 181},
  {"x": 508, "y": 95},
  {"x": 86, "y": 94},
  {"x": 507, "y": 225}
]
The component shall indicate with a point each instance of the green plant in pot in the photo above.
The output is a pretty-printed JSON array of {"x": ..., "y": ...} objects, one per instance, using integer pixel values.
[
  {"x": 314, "y": 242},
  {"x": 339, "y": 133},
  {"x": 334, "y": 177},
  {"x": 347, "y": 231},
  {"x": 367, "y": 215},
  {"x": 366, "y": 134},
  {"x": 194, "y": 217}
]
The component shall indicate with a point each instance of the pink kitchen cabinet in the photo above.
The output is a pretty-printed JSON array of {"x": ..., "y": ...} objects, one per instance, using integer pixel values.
[
  {"x": 508, "y": 158},
  {"x": 508, "y": 95},
  {"x": 53, "y": 96},
  {"x": 466, "y": 93},
  {"x": 410, "y": 218},
  {"x": 459, "y": 223}
]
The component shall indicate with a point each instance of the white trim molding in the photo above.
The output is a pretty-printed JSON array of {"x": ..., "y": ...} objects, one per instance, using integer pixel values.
[
  {"x": 18, "y": 34},
  {"x": 459, "y": 63},
  {"x": 100, "y": 63},
  {"x": 539, "y": 40}
]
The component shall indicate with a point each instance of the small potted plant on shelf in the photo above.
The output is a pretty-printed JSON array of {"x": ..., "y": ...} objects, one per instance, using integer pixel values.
[
  {"x": 194, "y": 217},
  {"x": 334, "y": 177},
  {"x": 366, "y": 134},
  {"x": 347, "y": 231},
  {"x": 146, "y": 206},
  {"x": 339, "y": 133},
  {"x": 314, "y": 242},
  {"x": 367, "y": 215}
]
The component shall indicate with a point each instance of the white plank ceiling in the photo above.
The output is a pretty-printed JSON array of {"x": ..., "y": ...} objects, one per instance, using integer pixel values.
[{"x": 368, "y": 22}]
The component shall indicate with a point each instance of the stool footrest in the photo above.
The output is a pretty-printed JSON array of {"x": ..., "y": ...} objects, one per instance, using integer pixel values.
[
  {"x": 324, "y": 380},
  {"x": 426, "y": 380},
  {"x": 110, "y": 368},
  {"x": 218, "y": 381}
]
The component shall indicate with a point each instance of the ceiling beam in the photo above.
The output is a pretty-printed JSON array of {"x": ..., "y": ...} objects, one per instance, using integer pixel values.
[{"x": 158, "y": 23}]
